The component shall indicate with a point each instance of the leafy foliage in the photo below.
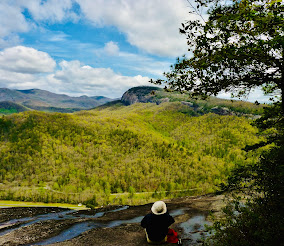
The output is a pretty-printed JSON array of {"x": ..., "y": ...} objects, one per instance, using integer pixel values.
[
  {"x": 255, "y": 216},
  {"x": 238, "y": 48},
  {"x": 118, "y": 149},
  {"x": 241, "y": 47},
  {"x": 11, "y": 107},
  {"x": 205, "y": 106}
]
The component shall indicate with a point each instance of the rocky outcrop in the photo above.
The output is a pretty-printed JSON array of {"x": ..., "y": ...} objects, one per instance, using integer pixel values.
[
  {"x": 162, "y": 100},
  {"x": 222, "y": 111},
  {"x": 189, "y": 104},
  {"x": 142, "y": 94}
]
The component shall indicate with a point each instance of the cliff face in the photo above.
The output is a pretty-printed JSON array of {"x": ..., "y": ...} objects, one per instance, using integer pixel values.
[
  {"x": 142, "y": 94},
  {"x": 151, "y": 94}
]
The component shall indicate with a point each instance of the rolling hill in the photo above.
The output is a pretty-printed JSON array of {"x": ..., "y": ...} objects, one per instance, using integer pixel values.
[{"x": 7, "y": 107}]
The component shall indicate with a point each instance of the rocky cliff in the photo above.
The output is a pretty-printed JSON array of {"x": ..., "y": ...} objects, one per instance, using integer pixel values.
[
  {"x": 151, "y": 94},
  {"x": 142, "y": 94}
]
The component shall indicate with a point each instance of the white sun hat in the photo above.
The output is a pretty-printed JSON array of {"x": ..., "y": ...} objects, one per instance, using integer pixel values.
[{"x": 159, "y": 208}]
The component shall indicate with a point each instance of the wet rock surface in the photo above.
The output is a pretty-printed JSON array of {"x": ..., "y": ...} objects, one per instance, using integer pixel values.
[
  {"x": 19, "y": 212},
  {"x": 112, "y": 225}
]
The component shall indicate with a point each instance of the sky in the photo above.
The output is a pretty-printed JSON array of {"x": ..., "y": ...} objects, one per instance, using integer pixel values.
[{"x": 90, "y": 47}]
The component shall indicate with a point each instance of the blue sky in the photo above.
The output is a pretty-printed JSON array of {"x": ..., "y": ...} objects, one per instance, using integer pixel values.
[{"x": 89, "y": 47}]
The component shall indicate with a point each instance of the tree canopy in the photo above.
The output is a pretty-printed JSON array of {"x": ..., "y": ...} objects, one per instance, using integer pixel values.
[
  {"x": 111, "y": 151},
  {"x": 238, "y": 48}
]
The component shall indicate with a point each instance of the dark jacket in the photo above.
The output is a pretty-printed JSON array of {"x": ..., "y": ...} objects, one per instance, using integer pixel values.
[{"x": 157, "y": 225}]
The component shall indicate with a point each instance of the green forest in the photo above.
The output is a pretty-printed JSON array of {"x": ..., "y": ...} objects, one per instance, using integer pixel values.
[
  {"x": 172, "y": 143},
  {"x": 120, "y": 154}
]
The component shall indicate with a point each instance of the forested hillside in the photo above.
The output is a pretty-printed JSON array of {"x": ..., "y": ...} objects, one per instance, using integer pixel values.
[
  {"x": 7, "y": 107},
  {"x": 137, "y": 148}
]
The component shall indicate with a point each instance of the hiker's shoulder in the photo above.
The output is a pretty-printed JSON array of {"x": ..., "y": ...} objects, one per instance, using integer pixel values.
[{"x": 148, "y": 215}]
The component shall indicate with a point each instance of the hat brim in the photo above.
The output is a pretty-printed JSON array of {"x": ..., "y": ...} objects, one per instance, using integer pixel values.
[{"x": 154, "y": 209}]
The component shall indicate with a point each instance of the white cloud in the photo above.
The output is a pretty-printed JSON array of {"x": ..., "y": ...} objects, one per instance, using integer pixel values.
[
  {"x": 11, "y": 19},
  {"x": 25, "y": 68},
  {"x": 23, "y": 59},
  {"x": 77, "y": 79},
  {"x": 12, "y": 79},
  {"x": 256, "y": 94},
  {"x": 111, "y": 48},
  {"x": 49, "y": 10},
  {"x": 150, "y": 25}
]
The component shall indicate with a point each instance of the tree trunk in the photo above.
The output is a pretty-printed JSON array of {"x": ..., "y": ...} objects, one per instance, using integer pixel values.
[
  {"x": 282, "y": 92},
  {"x": 281, "y": 88},
  {"x": 282, "y": 82}
]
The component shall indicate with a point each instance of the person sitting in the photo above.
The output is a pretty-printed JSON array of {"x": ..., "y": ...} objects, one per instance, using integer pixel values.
[{"x": 156, "y": 223}]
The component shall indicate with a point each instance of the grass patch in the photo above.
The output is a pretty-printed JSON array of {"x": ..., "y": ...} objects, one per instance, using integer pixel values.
[{"x": 4, "y": 204}]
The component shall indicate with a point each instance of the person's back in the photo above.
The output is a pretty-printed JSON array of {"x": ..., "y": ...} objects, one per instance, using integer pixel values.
[{"x": 157, "y": 223}]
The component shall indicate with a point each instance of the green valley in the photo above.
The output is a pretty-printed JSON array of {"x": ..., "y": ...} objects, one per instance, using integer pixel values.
[{"x": 120, "y": 154}]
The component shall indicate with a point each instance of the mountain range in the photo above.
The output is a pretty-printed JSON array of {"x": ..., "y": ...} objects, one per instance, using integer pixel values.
[
  {"x": 15, "y": 101},
  {"x": 42, "y": 100}
]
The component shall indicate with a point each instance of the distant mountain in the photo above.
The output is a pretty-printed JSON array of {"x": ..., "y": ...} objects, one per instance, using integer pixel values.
[
  {"x": 13, "y": 101},
  {"x": 51, "y": 102}
]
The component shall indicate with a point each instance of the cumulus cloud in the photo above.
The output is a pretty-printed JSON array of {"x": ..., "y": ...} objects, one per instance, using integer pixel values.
[
  {"x": 77, "y": 79},
  {"x": 150, "y": 25},
  {"x": 25, "y": 68},
  {"x": 13, "y": 80},
  {"x": 23, "y": 59}
]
